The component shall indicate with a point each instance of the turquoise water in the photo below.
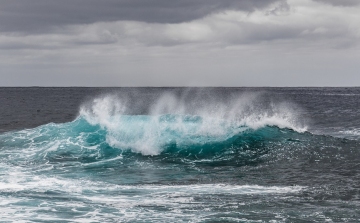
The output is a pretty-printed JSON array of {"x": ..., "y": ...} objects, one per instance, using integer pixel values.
[{"x": 179, "y": 163}]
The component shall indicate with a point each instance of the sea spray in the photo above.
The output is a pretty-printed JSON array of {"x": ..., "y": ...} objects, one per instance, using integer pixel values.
[{"x": 185, "y": 119}]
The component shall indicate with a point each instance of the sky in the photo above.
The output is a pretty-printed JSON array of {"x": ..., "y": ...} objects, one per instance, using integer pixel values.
[{"x": 231, "y": 43}]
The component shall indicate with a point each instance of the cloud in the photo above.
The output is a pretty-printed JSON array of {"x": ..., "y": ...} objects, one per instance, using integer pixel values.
[
  {"x": 341, "y": 2},
  {"x": 46, "y": 15},
  {"x": 179, "y": 43},
  {"x": 302, "y": 23}
]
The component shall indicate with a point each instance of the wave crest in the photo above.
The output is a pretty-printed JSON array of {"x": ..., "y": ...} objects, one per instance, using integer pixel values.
[{"x": 186, "y": 119}]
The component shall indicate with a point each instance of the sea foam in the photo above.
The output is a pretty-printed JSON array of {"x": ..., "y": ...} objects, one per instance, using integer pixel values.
[{"x": 189, "y": 118}]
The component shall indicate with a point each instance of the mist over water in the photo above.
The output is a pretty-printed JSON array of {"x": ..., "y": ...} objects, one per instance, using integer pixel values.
[
  {"x": 186, "y": 155},
  {"x": 190, "y": 118}
]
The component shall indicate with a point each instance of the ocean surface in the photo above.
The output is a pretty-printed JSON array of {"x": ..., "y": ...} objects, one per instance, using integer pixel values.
[{"x": 180, "y": 155}]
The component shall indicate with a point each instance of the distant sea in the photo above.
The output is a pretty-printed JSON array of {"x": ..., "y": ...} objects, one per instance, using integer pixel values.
[{"x": 180, "y": 154}]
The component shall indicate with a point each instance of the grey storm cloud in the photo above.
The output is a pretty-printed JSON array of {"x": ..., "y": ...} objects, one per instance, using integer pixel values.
[
  {"x": 179, "y": 42},
  {"x": 43, "y": 15},
  {"x": 340, "y": 2}
]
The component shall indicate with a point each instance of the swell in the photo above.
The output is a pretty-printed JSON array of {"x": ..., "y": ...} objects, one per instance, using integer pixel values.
[
  {"x": 242, "y": 131},
  {"x": 171, "y": 138}
]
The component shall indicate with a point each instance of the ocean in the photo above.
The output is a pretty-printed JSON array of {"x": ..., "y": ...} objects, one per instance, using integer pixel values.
[{"x": 179, "y": 154}]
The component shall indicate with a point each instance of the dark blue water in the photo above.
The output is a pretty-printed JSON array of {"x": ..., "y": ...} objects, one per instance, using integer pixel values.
[{"x": 180, "y": 154}]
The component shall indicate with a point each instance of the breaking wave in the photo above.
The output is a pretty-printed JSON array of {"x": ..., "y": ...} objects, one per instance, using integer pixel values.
[
  {"x": 174, "y": 121},
  {"x": 175, "y": 129},
  {"x": 105, "y": 125}
]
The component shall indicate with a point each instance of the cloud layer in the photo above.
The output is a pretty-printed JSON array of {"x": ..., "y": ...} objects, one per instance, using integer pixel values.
[
  {"x": 302, "y": 22},
  {"x": 161, "y": 42},
  {"x": 42, "y": 15},
  {"x": 348, "y": 3}
]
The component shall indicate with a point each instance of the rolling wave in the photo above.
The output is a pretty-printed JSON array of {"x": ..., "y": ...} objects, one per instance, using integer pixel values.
[
  {"x": 165, "y": 136},
  {"x": 225, "y": 135}
]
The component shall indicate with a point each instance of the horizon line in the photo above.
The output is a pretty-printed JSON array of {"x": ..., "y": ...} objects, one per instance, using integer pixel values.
[{"x": 179, "y": 86}]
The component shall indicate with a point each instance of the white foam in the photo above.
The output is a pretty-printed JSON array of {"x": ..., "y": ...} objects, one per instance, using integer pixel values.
[
  {"x": 19, "y": 179},
  {"x": 352, "y": 132},
  {"x": 219, "y": 119},
  {"x": 93, "y": 199}
]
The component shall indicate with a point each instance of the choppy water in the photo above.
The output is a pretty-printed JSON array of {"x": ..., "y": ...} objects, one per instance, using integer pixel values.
[{"x": 180, "y": 155}]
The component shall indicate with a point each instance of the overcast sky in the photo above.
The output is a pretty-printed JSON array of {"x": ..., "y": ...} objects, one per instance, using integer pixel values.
[{"x": 179, "y": 43}]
